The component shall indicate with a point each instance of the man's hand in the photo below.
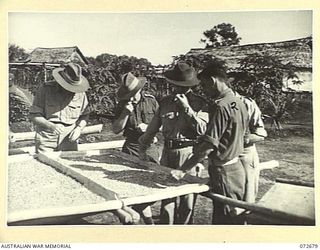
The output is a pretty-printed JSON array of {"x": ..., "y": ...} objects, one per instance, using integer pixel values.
[
  {"x": 75, "y": 134},
  {"x": 155, "y": 140},
  {"x": 55, "y": 128},
  {"x": 143, "y": 127},
  {"x": 182, "y": 101},
  {"x": 128, "y": 107},
  {"x": 177, "y": 174}
]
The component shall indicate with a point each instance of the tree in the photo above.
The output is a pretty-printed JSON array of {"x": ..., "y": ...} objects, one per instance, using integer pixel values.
[
  {"x": 16, "y": 53},
  {"x": 261, "y": 76},
  {"x": 223, "y": 34}
]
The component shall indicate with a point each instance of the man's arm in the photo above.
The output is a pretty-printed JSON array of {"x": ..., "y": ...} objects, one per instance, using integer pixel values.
[
  {"x": 40, "y": 121},
  {"x": 119, "y": 123},
  {"x": 256, "y": 125},
  {"x": 197, "y": 120},
  {"x": 147, "y": 138},
  {"x": 203, "y": 150}
]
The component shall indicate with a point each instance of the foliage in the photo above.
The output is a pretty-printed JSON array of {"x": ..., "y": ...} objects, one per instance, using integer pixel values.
[
  {"x": 19, "y": 110},
  {"x": 261, "y": 77},
  {"x": 223, "y": 34},
  {"x": 104, "y": 74},
  {"x": 17, "y": 53}
]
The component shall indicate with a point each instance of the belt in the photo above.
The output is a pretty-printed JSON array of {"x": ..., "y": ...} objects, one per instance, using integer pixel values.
[{"x": 176, "y": 143}]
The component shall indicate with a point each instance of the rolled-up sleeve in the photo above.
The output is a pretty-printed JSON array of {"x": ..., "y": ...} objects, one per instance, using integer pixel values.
[
  {"x": 38, "y": 105},
  {"x": 216, "y": 127},
  {"x": 85, "y": 108},
  {"x": 256, "y": 123}
]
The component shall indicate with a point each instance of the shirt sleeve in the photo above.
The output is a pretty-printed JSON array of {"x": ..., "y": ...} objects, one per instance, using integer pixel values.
[
  {"x": 216, "y": 127},
  {"x": 152, "y": 129},
  {"x": 38, "y": 104},
  {"x": 256, "y": 123},
  {"x": 118, "y": 110},
  {"x": 85, "y": 108}
]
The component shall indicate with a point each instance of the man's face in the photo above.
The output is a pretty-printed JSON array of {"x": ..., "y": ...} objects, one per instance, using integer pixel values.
[{"x": 180, "y": 89}]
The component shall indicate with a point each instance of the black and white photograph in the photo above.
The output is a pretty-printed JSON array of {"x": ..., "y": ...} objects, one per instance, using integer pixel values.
[{"x": 160, "y": 118}]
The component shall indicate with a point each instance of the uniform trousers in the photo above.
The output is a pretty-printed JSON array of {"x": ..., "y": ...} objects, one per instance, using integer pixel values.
[
  {"x": 47, "y": 141},
  {"x": 228, "y": 180},
  {"x": 170, "y": 212},
  {"x": 250, "y": 162}
]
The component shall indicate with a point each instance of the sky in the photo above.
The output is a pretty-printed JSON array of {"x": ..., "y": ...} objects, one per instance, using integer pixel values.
[{"x": 156, "y": 36}]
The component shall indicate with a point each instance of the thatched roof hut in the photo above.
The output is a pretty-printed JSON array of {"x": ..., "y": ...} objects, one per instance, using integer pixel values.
[
  {"x": 298, "y": 52},
  {"x": 57, "y": 55}
]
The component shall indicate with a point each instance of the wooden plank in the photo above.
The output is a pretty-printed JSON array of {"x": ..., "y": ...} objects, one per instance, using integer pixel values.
[
  {"x": 150, "y": 170},
  {"x": 55, "y": 213},
  {"x": 291, "y": 218},
  {"x": 294, "y": 199},
  {"x": 166, "y": 194},
  {"x": 268, "y": 165},
  {"x": 31, "y": 135},
  {"x": 295, "y": 182},
  {"x": 101, "y": 145},
  {"x": 24, "y": 150},
  {"x": 81, "y": 147}
]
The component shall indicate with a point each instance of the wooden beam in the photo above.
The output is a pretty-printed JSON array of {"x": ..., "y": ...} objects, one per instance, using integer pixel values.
[
  {"x": 81, "y": 147},
  {"x": 37, "y": 214},
  {"x": 253, "y": 207},
  {"x": 268, "y": 165},
  {"x": 166, "y": 194},
  {"x": 31, "y": 135},
  {"x": 295, "y": 182},
  {"x": 101, "y": 145}
]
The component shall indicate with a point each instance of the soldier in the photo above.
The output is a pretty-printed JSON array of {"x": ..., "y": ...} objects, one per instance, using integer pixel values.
[
  {"x": 179, "y": 115},
  {"x": 59, "y": 110},
  {"x": 223, "y": 141},
  {"x": 250, "y": 158},
  {"x": 132, "y": 115}
]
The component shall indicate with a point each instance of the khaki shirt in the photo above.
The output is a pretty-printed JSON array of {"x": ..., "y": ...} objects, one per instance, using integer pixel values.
[
  {"x": 59, "y": 106},
  {"x": 175, "y": 123},
  {"x": 228, "y": 123},
  {"x": 256, "y": 125}
]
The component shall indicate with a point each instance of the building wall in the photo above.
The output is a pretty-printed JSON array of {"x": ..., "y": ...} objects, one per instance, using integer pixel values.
[{"x": 306, "y": 77}]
